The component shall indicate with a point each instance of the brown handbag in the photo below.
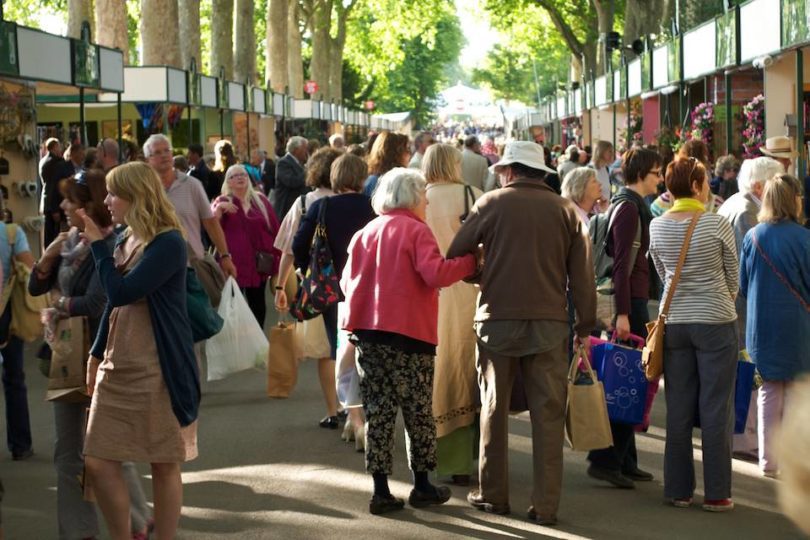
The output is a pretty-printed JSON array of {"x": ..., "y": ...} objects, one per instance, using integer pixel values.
[{"x": 652, "y": 357}]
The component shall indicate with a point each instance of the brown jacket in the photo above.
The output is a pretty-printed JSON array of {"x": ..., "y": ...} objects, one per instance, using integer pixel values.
[{"x": 535, "y": 248}]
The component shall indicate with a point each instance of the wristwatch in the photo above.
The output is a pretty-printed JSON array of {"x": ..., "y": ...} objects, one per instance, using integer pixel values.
[{"x": 224, "y": 255}]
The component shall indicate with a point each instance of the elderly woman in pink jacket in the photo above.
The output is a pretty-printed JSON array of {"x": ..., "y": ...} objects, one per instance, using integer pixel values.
[{"x": 391, "y": 283}]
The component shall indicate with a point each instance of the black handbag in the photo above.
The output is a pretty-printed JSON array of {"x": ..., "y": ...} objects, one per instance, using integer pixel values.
[
  {"x": 265, "y": 262},
  {"x": 468, "y": 196}
]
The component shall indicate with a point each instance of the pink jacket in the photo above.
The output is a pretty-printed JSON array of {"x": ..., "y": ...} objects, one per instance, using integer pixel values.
[{"x": 393, "y": 274}]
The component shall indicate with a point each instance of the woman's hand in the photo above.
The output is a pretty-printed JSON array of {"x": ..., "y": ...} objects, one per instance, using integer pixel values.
[
  {"x": 55, "y": 247},
  {"x": 281, "y": 300},
  {"x": 92, "y": 369},
  {"x": 91, "y": 231}
]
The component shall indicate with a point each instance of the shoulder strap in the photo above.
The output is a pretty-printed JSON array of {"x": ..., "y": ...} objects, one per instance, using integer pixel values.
[
  {"x": 779, "y": 275},
  {"x": 304, "y": 204},
  {"x": 468, "y": 195},
  {"x": 322, "y": 213},
  {"x": 11, "y": 235},
  {"x": 677, "y": 277}
]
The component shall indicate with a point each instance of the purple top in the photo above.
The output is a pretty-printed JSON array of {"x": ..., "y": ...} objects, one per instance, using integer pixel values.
[{"x": 247, "y": 234}]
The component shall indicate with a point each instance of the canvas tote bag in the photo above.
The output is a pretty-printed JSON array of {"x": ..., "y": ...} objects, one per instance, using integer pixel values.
[{"x": 586, "y": 417}]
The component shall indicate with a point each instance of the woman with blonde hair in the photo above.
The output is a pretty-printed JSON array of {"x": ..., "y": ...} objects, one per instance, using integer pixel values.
[
  {"x": 250, "y": 226},
  {"x": 224, "y": 158},
  {"x": 142, "y": 373},
  {"x": 390, "y": 150},
  {"x": 775, "y": 281},
  {"x": 455, "y": 387},
  {"x": 603, "y": 156}
]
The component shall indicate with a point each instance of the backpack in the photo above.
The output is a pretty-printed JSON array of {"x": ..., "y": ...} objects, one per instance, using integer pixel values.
[{"x": 600, "y": 233}]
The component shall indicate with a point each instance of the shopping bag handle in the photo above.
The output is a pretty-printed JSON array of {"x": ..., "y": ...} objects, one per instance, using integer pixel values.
[
  {"x": 638, "y": 340},
  {"x": 581, "y": 356}
]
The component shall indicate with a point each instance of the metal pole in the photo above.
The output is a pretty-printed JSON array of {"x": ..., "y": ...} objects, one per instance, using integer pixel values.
[
  {"x": 119, "y": 114},
  {"x": 800, "y": 162},
  {"x": 729, "y": 119},
  {"x": 221, "y": 124},
  {"x": 614, "y": 126},
  {"x": 536, "y": 82},
  {"x": 82, "y": 126},
  {"x": 190, "y": 127}
]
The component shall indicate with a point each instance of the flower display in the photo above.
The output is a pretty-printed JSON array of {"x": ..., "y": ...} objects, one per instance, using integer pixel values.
[
  {"x": 703, "y": 123},
  {"x": 753, "y": 117},
  {"x": 632, "y": 133}
]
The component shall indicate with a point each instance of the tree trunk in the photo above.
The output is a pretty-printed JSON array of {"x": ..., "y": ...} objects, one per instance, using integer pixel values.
[
  {"x": 222, "y": 37},
  {"x": 337, "y": 46},
  {"x": 321, "y": 44},
  {"x": 111, "y": 22},
  {"x": 244, "y": 51},
  {"x": 643, "y": 17},
  {"x": 295, "y": 61},
  {"x": 78, "y": 12},
  {"x": 278, "y": 14},
  {"x": 190, "y": 33},
  {"x": 160, "y": 40},
  {"x": 566, "y": 32},
  {"x": 605, "y": 15}
]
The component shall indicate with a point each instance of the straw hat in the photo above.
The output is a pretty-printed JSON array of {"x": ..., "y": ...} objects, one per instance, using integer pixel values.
[
  {"x": 779, "y": 147},
  {"x": 525, "y": 152}
]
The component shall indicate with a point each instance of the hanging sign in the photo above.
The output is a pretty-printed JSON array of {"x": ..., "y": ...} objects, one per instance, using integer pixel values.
[{"x": 310, "y": 87}]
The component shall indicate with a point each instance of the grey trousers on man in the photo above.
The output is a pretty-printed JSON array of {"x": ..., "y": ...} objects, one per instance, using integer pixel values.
[
  {"x": 544, "y": 378},
  {"x": 700, "y": 368}
]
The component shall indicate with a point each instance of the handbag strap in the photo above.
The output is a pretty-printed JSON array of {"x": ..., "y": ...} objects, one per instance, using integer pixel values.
[
  {"x": 468, "y": 195},
  {"x": 779, "y": 275},
  {"x": 681, "y": 260},
  {"x": 581, "y": 355}
]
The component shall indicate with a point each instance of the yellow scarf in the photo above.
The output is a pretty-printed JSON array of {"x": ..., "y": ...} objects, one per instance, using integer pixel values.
[{"x": 687, "y": 205}]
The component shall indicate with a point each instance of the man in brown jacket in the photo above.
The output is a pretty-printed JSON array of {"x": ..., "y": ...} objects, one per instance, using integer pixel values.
[{"x": 535, "y": 249}]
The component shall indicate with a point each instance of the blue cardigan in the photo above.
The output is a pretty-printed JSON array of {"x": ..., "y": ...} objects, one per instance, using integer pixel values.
[
  {"x": 160, "y": 276},
  {"x": 777, "y": 333}
]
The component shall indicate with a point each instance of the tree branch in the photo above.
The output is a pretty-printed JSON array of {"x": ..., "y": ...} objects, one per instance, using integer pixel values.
[{"x": 564, "y": 28}]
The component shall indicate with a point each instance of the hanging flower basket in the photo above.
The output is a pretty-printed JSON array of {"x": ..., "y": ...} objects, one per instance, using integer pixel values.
[
  {"x": 753, "y": 117},
  {"x": 632, "y": 133}
]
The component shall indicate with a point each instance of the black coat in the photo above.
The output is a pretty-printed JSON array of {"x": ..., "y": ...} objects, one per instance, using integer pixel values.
[
  {"x": 290, "y": 184},
  {"x": 52, "y": 169}
]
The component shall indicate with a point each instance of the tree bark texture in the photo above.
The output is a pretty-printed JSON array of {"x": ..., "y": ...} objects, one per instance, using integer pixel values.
[
  {"x": 222, "y": 37},
  {"x": 189, "y": 15},
  {"x": 295, "y": 60},
  {"x": 277, "y": 34},
  {"x": 160, "y": 38},
  {"x": 78, "y": 12},
  {"x": 319, "y": 72},
  {"x": 244, "y": 46},
  {"x": 605, "y": 15},
  {"x": 111, "y": 22}
]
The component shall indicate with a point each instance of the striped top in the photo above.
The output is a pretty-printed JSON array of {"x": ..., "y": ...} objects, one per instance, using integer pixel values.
[{"x": 710, "y": 275}]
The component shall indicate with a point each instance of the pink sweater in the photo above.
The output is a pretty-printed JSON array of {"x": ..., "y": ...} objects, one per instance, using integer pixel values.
[{"x": 393, "y": 274}]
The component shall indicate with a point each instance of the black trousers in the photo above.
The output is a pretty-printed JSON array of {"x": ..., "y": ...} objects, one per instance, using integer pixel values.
[
  {"x": 255, "y": 299},
  {"x": 622, "y": 456}
]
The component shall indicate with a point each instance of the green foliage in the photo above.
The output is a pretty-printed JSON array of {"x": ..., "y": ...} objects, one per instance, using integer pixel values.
[
  {"x": 397, "y": 54},
  {"x": 36, "y": 13}
]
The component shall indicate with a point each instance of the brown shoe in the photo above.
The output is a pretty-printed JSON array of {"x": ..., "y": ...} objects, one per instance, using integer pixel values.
[
  {"x": 548, "y": 521},
  {"x": 476, "y": 500}
]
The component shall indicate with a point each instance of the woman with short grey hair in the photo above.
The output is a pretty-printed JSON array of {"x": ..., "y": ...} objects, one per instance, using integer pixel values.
[
  {"x": 583, "y": 188},
  {"x": 391, "y": 282}
]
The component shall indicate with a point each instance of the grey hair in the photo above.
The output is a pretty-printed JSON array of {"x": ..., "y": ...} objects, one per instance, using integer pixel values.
[
  {"x": 398, "y": 188},
  {"x": 150, "y": 142},
  {"x": 295, "y": 142},
  {"x": 334, "y": 137},
  {"x": 576, "y": 182},
  {"x": 757, "y": 171}
]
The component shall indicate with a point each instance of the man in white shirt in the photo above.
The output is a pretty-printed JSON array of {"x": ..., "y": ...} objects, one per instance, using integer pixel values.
[{"x": 474, "y": 166}]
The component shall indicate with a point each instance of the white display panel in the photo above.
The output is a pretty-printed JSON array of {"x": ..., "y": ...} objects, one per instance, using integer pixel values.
[
  {"x": 660, "y": 67},
  {"x": 617, "y": 85},
  {"x": 208, "y": 91},
  {"x": 634, "y": 78},
  {"x": 236, "y": 96},
  {"x": 44, "y": 57},
  {"x": 111, "y": 63},
  {"x": 600, "y": 86},
  {"x": 760, "y": 29},
  {"x": 700, "y": 51},
  {"x": 278, "y": 104},
  {"x": 259, "y": 103},
  {"x": 177, "y": 86}
]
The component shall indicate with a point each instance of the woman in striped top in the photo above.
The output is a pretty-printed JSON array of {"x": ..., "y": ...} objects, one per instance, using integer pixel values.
[{"x": 700, "y": 344}]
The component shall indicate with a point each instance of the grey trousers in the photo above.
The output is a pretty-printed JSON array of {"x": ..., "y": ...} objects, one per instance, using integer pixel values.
[
  {"x": 76, "y": 517},
  {"x": 700, "y": 368}
]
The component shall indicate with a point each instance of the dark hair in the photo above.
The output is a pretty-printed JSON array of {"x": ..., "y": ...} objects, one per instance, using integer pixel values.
[
  {"x": 195, "y": 148},
  {"x": 637, "y": 164},
  {"x": 470, "y": 141},
  {"x": 89, "y": 193},
  {"x": 682, "y": 174},
  {"x": 319, "y": 167},
  {"x": 524, "y": 171}
]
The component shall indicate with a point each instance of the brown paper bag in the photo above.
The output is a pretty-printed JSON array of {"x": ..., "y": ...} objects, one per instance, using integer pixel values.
[
  {"x": 67, "y": 378},
  {"x": 586, "y": 418},
  {"x": 282, "y": 361}
]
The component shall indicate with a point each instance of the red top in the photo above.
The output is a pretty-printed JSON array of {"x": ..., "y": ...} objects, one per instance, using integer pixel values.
[
  {"x": 393, "y": 274},
  {"x": 247, "y": 234}
]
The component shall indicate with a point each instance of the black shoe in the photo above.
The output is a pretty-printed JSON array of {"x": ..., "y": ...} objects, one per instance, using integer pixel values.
[
  {"x": 614, "y": 477},
  {"x": 380, "y": 504},
  {"x": 548, "y": 521},
  {"x": 638, "y": 475},
  {"x": 330, "y": 422},
  {"x": 343, "y": 414},
  {"x": 22, "y": 456},
  {"x": 477, "y": 501},
  {"x": 421, "y": 499}
]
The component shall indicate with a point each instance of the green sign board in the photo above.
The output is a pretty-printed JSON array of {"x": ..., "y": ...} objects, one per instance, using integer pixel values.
[
  {"x": 623, "y": 83},
  {"x": 726, "y": 28},
  {"x": 9, "y": 64},
  {"x": 194, "y": 89},
  {"x": 646, "y": 71},
  {"x": 795, "y": 19},
  {"x": 85, "y": 64},
  {"x": 224, "y": 101},
  {"x": 674, "y": 59}
]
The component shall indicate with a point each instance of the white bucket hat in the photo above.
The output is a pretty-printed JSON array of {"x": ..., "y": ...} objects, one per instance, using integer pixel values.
[
  {"x": 526, "y": 153},
  {"x": 779, "y": 147}
]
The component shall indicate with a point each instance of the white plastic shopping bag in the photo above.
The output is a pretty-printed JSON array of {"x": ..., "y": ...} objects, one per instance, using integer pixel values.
[
  {"x": 347, "y": 379},
  {"x": 242, "y": 343},
  {"x": 312, "y": 340}
]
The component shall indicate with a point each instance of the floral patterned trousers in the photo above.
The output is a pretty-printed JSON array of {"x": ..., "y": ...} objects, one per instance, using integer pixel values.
[{"x": 391, "y": 379}]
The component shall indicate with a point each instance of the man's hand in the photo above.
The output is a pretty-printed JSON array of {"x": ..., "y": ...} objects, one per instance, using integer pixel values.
[
  {"x": 584, "y": 343},
  {"x": 228, "y": 267},
  {"x": 622, "y": 327}
]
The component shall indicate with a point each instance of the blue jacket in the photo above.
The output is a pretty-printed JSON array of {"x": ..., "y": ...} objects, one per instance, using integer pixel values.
[
  {"x": 160, "y": 276},
  {"x": 777, "y": 333}
]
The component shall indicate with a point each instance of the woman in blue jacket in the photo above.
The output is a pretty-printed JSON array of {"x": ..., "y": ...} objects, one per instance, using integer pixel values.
[
  {"x": 142, "y": 372},
  {"x": 775, "y": 280}
]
